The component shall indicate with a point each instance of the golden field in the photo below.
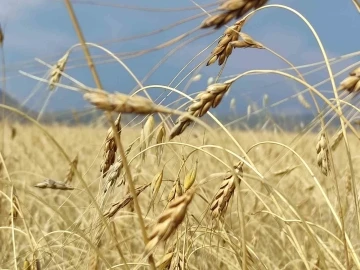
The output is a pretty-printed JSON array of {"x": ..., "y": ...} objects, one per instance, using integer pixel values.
[{"x": 292, "y": 227}]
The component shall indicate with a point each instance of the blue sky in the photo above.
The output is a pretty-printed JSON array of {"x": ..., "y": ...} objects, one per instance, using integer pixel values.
[{"x": 42, "y": 29}]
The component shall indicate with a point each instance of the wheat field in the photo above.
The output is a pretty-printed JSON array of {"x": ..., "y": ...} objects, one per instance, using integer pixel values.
[
  {"x": 54, "y": 226},
  {"x": 147, "y": 184}
]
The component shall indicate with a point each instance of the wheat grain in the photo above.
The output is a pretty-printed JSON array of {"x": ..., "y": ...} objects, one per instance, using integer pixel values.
[
  {"x": 160, "y": 138},
  {"x": 169, "y": 220},
  {"x": 110, "y": 147},
  {"x": 336, "y": 141},
  {"x": 71, "y": 172},
  {"x": 175, "y": 191},
  {"x": 224, "y": 48},
  {"x": 231, "y": 9},
  {"x": 352, "y": 82},
  {"x": 115, "y": 169},
  {"x": 124, "y": 202},
  {"x": 322, "y": 154},
  {"x": 146, "y": 135},
  {"x": 56, "y": 70},
  {"x": 211, "y": 97},
  {"x": 49, "y": 183},
  {"x": 246, "y": 42},
  {"x": 26, "y": 265},
  {"x": 122, "y": 103},
  {"x": 190, "y": 178},
  {"x": 222, "y": 197},
  {"x": 156, "y": 183},
  {"x": 303, "y": 101},
  {"x": 165, "y": 261}
]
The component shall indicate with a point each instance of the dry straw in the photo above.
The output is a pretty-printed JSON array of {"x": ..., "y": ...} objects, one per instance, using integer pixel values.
[
  {"x": 222, "y": 197},
  {"x": 352, "y": 82},
  {"x": 231, "y": 9},
  {"x": 169, "y": 220},
  {"x": 71, "y": 172},
  {"x": 122, "y": 103},
  {"x": 211, "y": 97},
  {"x": 110, "y": 147},
  {"x": 56, "y": 70},
  {"x": 322, "y": 154}
]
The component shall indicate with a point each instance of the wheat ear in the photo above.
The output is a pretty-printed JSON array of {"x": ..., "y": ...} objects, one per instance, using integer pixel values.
[
  {"x": 211, "y": 97},
  {"x": 169, "y": 220},
  {"x": 222, "y": 197},
  {"x": 231, "y": 9}
]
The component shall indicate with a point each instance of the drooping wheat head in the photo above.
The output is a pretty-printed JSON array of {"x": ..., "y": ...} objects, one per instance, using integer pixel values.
[
  {"x": 352, "y": 82},
  {"x": 322, "y": 154},
  {"x": 222, "y": 197},
  {"x": 231, "y": 9},
  {"x": 115, "y": 169},
  {"x": 110, "y": 147},
  {"x": 71, "y": 172},
  {"x": 122, "y": 103},
  {"x": 169, "y": 220},
  {"x": 224, "y": 48},
  {"x": 211, "y": 97},
  {"x": 57, "y": 69}
]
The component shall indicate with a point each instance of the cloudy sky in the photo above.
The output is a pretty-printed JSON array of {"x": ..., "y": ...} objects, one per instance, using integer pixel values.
[{"x": 42, "y": 29}]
